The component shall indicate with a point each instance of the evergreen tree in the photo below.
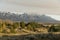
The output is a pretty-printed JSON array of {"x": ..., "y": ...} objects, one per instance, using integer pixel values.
[{"x": 22, "y": 24}]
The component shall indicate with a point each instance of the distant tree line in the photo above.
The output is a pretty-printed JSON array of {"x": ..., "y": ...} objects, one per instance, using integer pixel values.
[{"x": 14, "y": 27}]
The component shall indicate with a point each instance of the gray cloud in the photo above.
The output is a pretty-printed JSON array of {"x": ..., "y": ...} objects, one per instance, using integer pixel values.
[{"x": 31, "y": 6}]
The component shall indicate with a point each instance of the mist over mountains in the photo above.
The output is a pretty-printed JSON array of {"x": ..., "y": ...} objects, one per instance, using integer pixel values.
[{"x": 26, "y": 17}]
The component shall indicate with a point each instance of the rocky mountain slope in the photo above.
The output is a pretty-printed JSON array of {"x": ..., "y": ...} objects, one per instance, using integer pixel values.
[{"x": 26, "y": 17}]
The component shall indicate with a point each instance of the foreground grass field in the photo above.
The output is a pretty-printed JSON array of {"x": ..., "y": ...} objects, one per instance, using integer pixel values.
[{"x": 39, "y": 36}]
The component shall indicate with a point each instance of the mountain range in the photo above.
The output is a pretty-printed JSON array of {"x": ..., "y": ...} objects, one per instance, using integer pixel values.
[{"x": 26, "y": 17}]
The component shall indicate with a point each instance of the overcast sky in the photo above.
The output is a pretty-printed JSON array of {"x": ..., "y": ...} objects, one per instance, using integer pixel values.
[{"x": 50, "y": 7}]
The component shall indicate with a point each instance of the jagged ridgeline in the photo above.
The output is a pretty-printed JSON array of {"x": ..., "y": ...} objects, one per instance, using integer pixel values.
[{"x": 26, "y": 17}]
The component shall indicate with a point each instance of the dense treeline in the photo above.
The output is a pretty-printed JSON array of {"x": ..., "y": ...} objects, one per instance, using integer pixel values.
[{"x": 18, "y": 27}]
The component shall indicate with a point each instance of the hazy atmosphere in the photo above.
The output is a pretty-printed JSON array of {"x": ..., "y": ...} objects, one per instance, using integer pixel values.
[{"x": 48, "y": 7}]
